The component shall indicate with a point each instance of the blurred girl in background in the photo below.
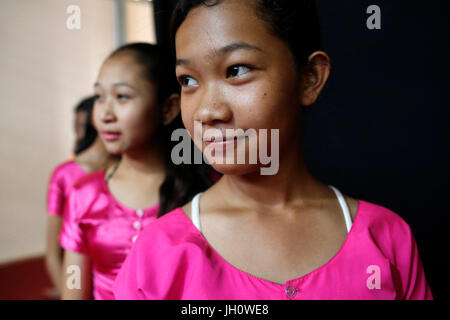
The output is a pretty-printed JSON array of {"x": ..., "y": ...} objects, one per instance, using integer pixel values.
[
  {"x": 136, "y": 110},
  {"x": 89, "y": 155}
]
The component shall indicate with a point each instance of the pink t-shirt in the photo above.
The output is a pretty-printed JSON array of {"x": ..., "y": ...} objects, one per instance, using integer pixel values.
[
  {"x": 63, "y": 177},
  {"x": 173, "y": 260},
  {"x": 97, "y": 225}
]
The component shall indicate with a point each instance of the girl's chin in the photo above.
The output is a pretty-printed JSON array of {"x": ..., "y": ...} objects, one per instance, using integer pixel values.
[
  {"x": 236, "y": 169},
  {"x": 113, "y": 150}
]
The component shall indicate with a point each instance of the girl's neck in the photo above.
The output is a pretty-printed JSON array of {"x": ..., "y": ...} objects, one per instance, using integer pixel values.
[
  {"x": 95, "y": 157},
  {"x": 143, "y": 161},
  {"x": 138, "y": 177},
  {"x": 292, "y": 185}
]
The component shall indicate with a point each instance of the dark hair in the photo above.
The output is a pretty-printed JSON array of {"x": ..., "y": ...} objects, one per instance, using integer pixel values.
[
  {"x": 157, "y": 67},
  {"x": 90, "y": 133},
  {"x": 294, "y": 21},
  {"x": 182, "y": 182}
]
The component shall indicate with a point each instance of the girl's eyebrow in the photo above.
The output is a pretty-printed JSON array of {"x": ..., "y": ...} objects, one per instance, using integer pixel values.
[
  {"x": 225, "y": 50},
  {"x": 236, "y": 46},
  {"x": 118, "y": 84}
]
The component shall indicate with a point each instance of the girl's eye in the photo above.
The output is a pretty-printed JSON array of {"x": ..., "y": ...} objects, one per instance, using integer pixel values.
[
  {"x": 237, "y": 70},
  {"x": 186, "y": 81},
  {"x": 97, "y": 97},
  {"x": 122, "y": 97}
]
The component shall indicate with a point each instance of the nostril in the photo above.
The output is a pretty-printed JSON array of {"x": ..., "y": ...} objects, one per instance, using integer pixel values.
[{"x": 213, "y": 110}]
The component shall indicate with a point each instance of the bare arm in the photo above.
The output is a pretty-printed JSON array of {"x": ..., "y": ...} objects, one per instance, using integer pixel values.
[
  {"x": 53, "y": 256},
  {"x": 76, "y": 277}
]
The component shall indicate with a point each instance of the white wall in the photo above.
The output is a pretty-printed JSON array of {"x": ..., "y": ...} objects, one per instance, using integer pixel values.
[
  {"x": 45, "y": 69},
  {"x": 140, "y": 22}
]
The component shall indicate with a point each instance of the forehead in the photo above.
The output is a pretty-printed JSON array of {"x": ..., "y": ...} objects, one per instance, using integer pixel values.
[
  {"x": 211, "y": 28},
  {"x": 120, "y": 68}
]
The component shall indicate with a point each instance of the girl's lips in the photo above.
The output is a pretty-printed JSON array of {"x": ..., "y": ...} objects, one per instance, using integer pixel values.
[
  {"x": 110, "y": 136},
  {"x": 223, "y": 143}
]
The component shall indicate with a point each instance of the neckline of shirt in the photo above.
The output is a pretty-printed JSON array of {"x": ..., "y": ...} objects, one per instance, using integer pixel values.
[
  {"x": 118, "y": 203},
  {"x": 290, "y": 281}
]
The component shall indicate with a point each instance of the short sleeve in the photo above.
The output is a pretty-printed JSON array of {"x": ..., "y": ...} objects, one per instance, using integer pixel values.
[
  {"x": 71, "y": 236},
  {"x": 410, "y": 273},
  {"x": 55, "y": 195}
]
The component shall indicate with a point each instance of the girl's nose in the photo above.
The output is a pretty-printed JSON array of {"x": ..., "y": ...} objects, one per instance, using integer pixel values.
[
  {"x": 213, "y": 108},
  {"x": 107, "y": 112}
]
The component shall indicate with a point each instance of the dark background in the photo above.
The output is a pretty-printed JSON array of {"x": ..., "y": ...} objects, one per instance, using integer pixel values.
[{"x": 380, "y": 129}]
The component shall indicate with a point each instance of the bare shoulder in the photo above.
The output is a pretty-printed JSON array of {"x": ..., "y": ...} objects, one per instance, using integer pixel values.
[
  {"x": 352, "y": 206},
  {"x": 208, "y": 203}
]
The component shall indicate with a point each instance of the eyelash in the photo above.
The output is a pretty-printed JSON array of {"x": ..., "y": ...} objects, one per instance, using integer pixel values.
[
  {"x": 238, "y": 66},
  {"x": 182, "y": 79},
  {"x": 122, "y": 96},
  {"x": 119, "y": 96}
]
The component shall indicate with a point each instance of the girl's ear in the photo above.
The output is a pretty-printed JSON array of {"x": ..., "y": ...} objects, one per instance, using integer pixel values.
[
  {"x": 171, "y": 108},
  {"x": 314, "y": 77}
]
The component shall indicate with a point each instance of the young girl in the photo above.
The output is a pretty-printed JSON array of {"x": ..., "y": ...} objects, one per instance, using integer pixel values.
[
  {"x": 254, "y": 65},
  {"x": 135, "y": 112},
  {"x": 90, "y": 156}
]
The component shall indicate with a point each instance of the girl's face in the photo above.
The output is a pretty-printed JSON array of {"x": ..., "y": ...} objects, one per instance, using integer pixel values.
[
  {"x": 126, "y": 111},
  {"x": 236, "y": 75}
]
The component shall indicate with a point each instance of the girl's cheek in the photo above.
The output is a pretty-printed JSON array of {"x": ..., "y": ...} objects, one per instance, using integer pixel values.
[
  {"x": 96, "y": 118},
  {"x": 255, "y": 110},
  {"x": 187, "y": 117}
]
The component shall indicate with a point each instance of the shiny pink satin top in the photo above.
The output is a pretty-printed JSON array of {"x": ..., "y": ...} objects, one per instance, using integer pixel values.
[
  {"x": 62, "y": 179},
  {"x": 96, "y": 224},
  {"x": 173, "y": 260}
]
